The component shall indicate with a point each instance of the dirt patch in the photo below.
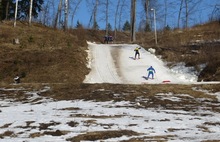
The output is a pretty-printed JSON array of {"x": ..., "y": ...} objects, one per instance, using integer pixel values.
[
  {"x": 115, "y": 53},
  {"x": 102, "y": 135}
]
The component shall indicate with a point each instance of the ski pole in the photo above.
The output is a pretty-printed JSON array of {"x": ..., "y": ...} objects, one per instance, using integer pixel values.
[{"x": 155, "y": 75}]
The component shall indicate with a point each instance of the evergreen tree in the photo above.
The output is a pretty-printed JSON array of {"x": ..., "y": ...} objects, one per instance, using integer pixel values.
[
  {"x": 95, "y": 26},
  {"x": 167, "y": 28},
  {"x": 1, "y": 10},
  {"x": 78, "y": 25},
  {"x": 109, "y": 27},
  {"x": 147, "y": 28},
  {"x": 23, "y": 8},
  {"x": 127, "y": 26},
  {"x": 4, "y": 5}
]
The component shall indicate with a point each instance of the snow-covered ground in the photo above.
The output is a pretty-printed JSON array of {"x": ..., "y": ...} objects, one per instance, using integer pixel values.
[
  {"x": 47, "y": 120},
  {"x": 114, "y": 63},
  {"x": 40, "y": 119}
]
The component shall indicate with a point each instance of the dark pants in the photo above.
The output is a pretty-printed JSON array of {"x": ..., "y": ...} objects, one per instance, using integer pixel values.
[
  {"x": 150, "y": 74},
  {"x": 137, "y": 53}
]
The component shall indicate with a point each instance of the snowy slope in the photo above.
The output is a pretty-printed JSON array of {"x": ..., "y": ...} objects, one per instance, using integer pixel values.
[
  {"x": 39, "y": 119},
  {"x": 114, "y": 63}
]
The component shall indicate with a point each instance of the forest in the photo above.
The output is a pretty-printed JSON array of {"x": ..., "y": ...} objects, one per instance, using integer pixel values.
[{"x": 111, "y": 14}]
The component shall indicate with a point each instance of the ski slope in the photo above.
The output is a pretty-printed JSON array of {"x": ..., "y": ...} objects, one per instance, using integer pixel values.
[{"x": 114, "y": 63}]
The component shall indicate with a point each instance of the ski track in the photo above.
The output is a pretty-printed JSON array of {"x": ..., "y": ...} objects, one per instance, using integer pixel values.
[{"x": 104, "y": 69}]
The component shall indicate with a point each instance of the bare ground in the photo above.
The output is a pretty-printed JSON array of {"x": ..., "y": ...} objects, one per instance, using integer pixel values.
[{"x": 140, "y": 96}]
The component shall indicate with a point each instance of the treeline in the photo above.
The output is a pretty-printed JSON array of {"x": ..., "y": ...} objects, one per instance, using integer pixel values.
[{"x": 116, "y": 14}]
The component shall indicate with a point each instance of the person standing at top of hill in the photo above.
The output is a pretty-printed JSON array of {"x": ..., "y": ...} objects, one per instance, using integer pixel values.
[
  {"x": 137, "y": 53},
  {"x": 151, "y": 72}
]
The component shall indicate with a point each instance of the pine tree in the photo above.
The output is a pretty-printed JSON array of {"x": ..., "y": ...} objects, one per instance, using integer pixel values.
[
  {"x": 95, "y": 26},
  {"x": 23, "y": 8},
  {"x": 147, "y": 28},
  {"x": 4, "y": 8},
  {"x": 127, "y": 26},
  {"x": 78, "y": 25},
  {"x": 109, "y": 27}
]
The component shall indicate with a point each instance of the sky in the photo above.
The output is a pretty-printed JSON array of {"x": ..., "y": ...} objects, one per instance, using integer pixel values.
[{"x": 204, "y": 10}]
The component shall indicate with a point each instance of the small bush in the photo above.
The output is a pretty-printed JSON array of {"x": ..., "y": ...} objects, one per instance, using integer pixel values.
[{"x": 30, "y": 39}]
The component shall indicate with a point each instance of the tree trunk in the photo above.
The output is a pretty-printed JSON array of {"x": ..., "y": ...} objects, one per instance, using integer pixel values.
[
  {"x": 30, "y": 11},
  {"x": 57, "y": 15},
  {"x": 147, "y": 12},
  {"x": 116, "y": 15},
  {"x": 165, "y": 13},
  {"x": 93, "y": 14},
  {"x": 6, "y": 10},
  {"x": 187, "y": 14},
  {"x": 74, "y": 12},
  {"x": 106, "y": 15},
  {"x": 66, "y": 15},
  {"x": 46, "y": 14},
  {"x": 16, "y": 10},
  {"x": 120, "y": 14},
  {"x": 180, "y": 10},
  {"x": 133, "y": 19}
]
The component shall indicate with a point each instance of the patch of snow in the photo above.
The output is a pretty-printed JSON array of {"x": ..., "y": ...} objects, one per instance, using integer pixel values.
[
  {"x": 159, "y": 121},
  {"x": 217, "y": 94},
  {"x": 152, "y": 51},
  {"x": 185, "y": 73},
  {"x": 186, "y": 126}
]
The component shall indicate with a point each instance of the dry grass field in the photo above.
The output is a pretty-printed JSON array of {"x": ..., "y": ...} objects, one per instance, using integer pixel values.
[{"x": 53, "y": 56}]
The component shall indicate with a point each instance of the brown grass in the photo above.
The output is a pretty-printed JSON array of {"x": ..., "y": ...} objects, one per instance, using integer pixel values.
[
  {"x": 46, "y": 55},
  {"x": 102, "y": 135}
]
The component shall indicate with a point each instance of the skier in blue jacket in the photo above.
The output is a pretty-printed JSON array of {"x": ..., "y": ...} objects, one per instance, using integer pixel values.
[{"x": 151, "y": 72}]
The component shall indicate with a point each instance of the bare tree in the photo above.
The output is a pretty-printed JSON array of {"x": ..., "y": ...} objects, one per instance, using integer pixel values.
[
  {"x": 133, "y": 19},
  {"x": 116, "y": 17},
  {"x": 58, "y": 13},
  {"x": 75, "y": 6},
  {"x": 7, "y": 10},
  {"x": 30, "y": 11},
  {"x": 16, "y": 10},
  {"x": 216, "y": 13},
  {"x": 105, "y": 6},
  {"x": 44, "y": 13},
  {"x": 106, "y": 16},
  {"x": 179, "y": 15},
  {"x": 122, "y": 7},
  {"x": 165, "y": 13},
  {"x": 94, "y": 8},
  {"x": 95, "y": 14},
  {"x": 190, "y": 8},
  {"x": 66, "y": 11},
  {"x": 148, "y": 5},
  {"x": 186, "y": 13}
]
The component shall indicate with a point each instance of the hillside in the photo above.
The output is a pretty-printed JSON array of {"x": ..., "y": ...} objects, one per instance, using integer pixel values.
[
  {"x": 54, "y": 56},
  {"x": 42, "y": 55},
  {"x": 52, "y": 104}
]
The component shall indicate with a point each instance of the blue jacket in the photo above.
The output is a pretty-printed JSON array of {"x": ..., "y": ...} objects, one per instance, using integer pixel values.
[{"x": 151, "y": 69}]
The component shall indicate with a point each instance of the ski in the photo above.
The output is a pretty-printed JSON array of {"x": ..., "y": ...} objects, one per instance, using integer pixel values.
[
  {"x": 134, "y": 58},
  {"x": 166, "y": 81}
]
